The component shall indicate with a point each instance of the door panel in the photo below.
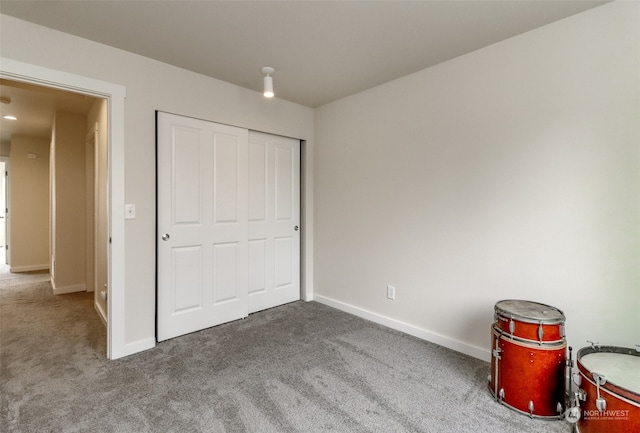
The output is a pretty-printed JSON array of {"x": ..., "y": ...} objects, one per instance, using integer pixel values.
[
  {"x": 257, "y": 181},
  {"x": 187, "y": 287},
  {"x": 284, "y": 173},
  {"x": 225, "y": 262},
  {"x": 186, "y": 148},
  {"x": 284, "y": 257},
  {"x": 226, "y": 194},
  {"x": 202, "y": 207},
  {"x": 257, "y": 270},
  {"x": 274, "y": 264}
]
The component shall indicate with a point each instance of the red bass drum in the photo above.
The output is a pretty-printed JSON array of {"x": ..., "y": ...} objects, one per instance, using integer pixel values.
[{"x": 529, "y": 378}]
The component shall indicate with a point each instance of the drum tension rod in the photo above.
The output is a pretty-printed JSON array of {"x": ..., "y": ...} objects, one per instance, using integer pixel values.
[{"x": 601, "y": 403}]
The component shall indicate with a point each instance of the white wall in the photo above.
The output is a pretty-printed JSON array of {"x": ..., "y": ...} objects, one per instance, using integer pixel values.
[
  {"x": 510, "y": 172},
  {"x": 5, "y": 148},
  {"x": 150, "y": 86},
  {"x": 29, "y": 203}
]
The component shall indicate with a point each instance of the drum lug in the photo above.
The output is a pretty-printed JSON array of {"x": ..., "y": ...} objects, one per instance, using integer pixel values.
[
  {"x": 601, "y": 403},
  {"x": 562, "y": 330},
  {"x": 540, "y": 332},
  {"x": 530, "y": 408},
  {"x": 512, "y": 327},
  {"x": 559, "y": 407},
  {"x": 594, "y": 344},
  {"x": 501, "y": 394}
]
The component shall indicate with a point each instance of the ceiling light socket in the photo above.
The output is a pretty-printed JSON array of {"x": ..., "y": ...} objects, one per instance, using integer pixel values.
[{"x": 268, "y": 82}]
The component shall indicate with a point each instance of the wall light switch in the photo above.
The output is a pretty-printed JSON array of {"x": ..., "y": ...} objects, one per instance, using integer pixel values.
[
  {"x": 391, "y": 292},
  {"x": 129, "y": 211}
]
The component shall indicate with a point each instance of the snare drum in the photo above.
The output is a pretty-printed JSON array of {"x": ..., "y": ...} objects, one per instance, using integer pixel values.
[
  {"x": 610, "y": 378},
  {"x": 530, "y": 321},
  {"x": 528, "y": 377}
]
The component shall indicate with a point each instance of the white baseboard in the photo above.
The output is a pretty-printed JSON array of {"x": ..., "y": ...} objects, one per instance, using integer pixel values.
[
  {"x": 450, "y": 343},
  {"x": 68, "y": 289},
  {"x": 101, "y": 313},
  {"x": 29, "y": 268}
]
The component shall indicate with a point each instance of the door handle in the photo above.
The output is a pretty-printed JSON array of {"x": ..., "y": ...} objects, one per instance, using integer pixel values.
[
  {"x": 296, "y": 228},
  {"x": 165, "y": 237}
]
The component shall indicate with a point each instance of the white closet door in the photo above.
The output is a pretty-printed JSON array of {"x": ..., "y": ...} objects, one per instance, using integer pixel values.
[
  {"x": 274, "y": 220},
  {"x": 202, "y": 224}
]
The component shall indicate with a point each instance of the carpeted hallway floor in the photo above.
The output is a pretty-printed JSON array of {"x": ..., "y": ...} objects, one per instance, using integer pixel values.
[{"x": 302, "y": 367}]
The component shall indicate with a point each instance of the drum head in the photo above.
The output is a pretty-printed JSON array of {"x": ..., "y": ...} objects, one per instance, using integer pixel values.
[
  {"x": 529, "y": 311},
  {"x": 621, "y": 369}
]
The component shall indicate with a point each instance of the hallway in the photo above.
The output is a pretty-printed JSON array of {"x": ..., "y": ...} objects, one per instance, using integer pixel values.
[{"x": 41, "y": 337}]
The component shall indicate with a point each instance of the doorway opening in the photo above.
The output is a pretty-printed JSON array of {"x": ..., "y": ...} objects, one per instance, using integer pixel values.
[
  {"x": 114, "y": 94},
  {"x": 53, "y": 221}
]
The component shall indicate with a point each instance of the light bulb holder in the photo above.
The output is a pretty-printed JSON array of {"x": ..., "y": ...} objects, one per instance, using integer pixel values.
[
  {"x": 268, "y": 81},
  {"x": 268, "y": 86}
]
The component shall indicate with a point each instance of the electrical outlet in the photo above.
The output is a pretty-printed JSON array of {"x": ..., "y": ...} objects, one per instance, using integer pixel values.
[{"x": 391, "y": 292}]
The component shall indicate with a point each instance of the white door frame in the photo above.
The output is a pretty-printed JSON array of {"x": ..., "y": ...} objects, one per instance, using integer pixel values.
[
  {"x": 5, "y": 192},
  {"x": 115, "y": 95}
]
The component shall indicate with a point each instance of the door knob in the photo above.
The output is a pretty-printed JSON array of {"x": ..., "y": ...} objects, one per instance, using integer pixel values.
[{"x": 165, "y": 237}]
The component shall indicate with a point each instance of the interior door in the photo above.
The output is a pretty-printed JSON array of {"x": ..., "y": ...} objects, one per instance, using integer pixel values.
[
  {"x": 274, "y": 220},
  {"x": 202, "y": 224}
]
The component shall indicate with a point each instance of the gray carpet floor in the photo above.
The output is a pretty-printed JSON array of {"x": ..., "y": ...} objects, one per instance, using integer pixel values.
[{"x": 302, "y": 367}]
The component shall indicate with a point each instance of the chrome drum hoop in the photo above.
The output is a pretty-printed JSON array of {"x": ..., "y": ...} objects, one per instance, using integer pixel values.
[
  {"x": 529, "y": 342},
  {"x": 505, "y": 314}
]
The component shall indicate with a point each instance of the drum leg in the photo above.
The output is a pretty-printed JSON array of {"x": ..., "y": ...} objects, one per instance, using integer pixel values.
[{"x": 572, "y": 415}]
